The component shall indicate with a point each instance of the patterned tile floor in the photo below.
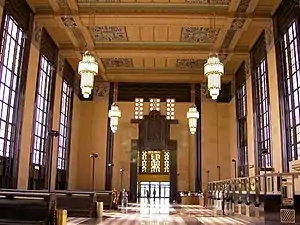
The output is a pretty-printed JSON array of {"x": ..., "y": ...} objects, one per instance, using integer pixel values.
[{"x": 159, "y": 212}]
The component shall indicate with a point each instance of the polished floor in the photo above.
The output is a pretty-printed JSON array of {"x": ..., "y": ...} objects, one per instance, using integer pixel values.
[{"x": 159, "y": 212}]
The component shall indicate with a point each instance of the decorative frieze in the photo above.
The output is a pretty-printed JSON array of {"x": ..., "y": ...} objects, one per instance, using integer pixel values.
[
  {"x": 199, "y": 34},
  {"x": 191, "y": 63},
  {"x": 269, "y": 37},
  {"x": 117, "y": 62},
  {"x": 101, "y": 89},
  {"x": 37, "y": 34},
  {"x": 248, "y": 67},
  {"x": 109, "y": 33},
  {"x": 205, "y": 96},
  {"x": 69, "y": 21},
  {"x": 60, "y": 65}
]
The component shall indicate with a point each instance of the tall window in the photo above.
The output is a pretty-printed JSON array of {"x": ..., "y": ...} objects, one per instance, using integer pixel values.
[
  {"x": 154, "y": 104},
  {"x": 292, "y": 90},
  {"x": 166, "y": 161},
  {"x": 64, "y": 126},
  {"x": 241, "y": 106},
  {"x": 170, "y": 108},
  {"x": 139, "y": 108},
  {"x": 12, "y": 49},
  {"x": 262, "y": 113},
  {"x": 41, "y": 117}
]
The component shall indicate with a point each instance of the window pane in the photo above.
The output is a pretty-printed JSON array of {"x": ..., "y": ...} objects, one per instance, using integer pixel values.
[
  {"x": 64, "y": 126},
  {"x": 262, "y": 112},
  {"x": 242, "y": 129},
  {"x": 12, "y": 48},
  {"x": 41, "y": 118},
  {"x": 170, "y": 108},
  {"x": 291, "y": 92}
]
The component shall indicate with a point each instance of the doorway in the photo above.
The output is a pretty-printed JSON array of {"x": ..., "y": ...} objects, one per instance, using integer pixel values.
[{"x": 162, "y": 189}]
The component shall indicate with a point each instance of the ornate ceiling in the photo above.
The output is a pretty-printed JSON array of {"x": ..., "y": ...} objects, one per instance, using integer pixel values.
[{"x": 155, "y": 40}]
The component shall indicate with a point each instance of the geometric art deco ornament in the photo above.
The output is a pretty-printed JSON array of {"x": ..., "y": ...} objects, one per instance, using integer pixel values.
[
  {"x": 193, "y": 116},
  {"x": 214, "y": 69},
  {"x": 87, "y": 69}
]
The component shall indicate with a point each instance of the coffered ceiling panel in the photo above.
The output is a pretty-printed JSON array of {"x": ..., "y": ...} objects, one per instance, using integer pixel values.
[{"x": 155, "y": 40}]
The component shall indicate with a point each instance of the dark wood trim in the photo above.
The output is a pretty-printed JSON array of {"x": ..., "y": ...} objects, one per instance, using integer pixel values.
[
  {"x": 173, "y": 175},
  {"x": 109, "y": 145},
  {"x": 241, "y": 121},
  {"x": 69, "y": 74},
  {"x": 225, "y": 93},
  {"x": 198, "y": 150},
  {"x": 20, "y": 11},
  {"x": 127, "y": 92},
  {"x": 133, "y": 170}
]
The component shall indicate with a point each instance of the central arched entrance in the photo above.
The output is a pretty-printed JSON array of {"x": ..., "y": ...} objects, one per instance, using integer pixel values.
[{"x": 153, "y": 159}]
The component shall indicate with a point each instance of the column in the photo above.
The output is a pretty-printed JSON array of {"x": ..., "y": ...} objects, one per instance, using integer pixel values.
[
  {"x": 56, "y": 116},
  {"x": 29, "y": 102},
  {"x": 250, "y": 118},
  {"x": 275, "y": 130},
  {"x": 109, "y": 145}
]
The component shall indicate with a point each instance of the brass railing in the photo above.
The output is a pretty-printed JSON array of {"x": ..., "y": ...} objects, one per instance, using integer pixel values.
[{"x": 241, "y": 189}]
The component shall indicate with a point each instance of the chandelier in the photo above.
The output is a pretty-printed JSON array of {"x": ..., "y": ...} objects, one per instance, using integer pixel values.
[
  {"x": 193, "y": 116},
  {"x": 214, "y": 69},
  {"x": 114, "y": 113},
  {"x": 87, "y": 69}
]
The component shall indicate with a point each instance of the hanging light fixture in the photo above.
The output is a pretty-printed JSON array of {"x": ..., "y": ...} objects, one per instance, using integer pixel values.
[
  {"x": 213, "y": 68},
  {"x": 87, "y": 69},
  {"x": 193, "y": 114},
  {"x": 114, "y": 113}
]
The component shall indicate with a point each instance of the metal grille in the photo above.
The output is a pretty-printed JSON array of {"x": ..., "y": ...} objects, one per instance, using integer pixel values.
[{"x": 287, "y": 216}]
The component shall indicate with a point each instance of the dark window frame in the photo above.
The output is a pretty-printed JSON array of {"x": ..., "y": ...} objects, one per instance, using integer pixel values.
[
  {"x": 66, "y": 115},
  {"x": 287, "y": 13},
  {"x": 20, "y": 13},
  {"x": 43, "y": 99},
  {"x": 261, "y": 104},
  {"x": 241, "y": 119},
  {"x": 38, "y": 174}
]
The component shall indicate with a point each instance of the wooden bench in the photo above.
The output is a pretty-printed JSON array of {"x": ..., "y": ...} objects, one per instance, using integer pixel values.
[
  {"x": 105, "y": 197},
  {"x": 24, "y": 207},
  {"x": 77, "y": 203},
  {"x": 81, "y": 204}
]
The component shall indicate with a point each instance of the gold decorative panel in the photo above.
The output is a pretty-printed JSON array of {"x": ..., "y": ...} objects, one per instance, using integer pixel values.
[
  {"x": 117, "y": 62},
  {"x": 198, "y": 34},
  {"x": 109, "y": 33},
  {"x": 154, "y": 161}
]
